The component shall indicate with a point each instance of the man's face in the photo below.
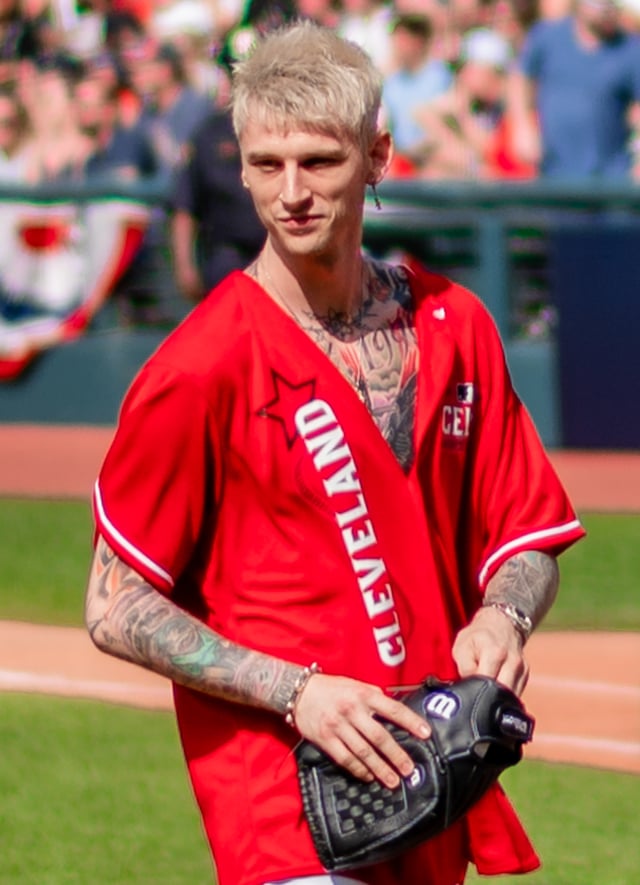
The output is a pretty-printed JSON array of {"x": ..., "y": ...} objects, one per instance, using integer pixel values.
[
  {"x": 94, "y": 111},
  {"x": 409, "y": 50},
  {"x": 308, "y": 187},
  {"x": 602, "y": 17},
  {"x": 483, "y": 82}
]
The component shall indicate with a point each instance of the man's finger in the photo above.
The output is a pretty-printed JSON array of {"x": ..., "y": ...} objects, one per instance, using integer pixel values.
[
  {"x": 514, "y": 674},
  {"x": 402, "y": 716}
]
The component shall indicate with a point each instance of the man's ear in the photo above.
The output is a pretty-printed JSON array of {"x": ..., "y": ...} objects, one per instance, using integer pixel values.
[{"x": 380, "y": 156}]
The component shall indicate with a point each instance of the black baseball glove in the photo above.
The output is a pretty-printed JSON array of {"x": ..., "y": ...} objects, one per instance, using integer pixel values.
[{"x": 478, "y": 729}]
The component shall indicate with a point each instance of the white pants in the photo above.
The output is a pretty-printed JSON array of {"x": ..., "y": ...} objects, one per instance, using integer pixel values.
[{"x": 328, "y": 879}]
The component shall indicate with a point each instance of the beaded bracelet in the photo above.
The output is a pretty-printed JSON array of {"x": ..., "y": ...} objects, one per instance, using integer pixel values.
[{"x": 298, "y": 688}]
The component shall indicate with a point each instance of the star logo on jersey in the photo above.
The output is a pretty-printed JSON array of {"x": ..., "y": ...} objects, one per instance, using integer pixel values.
[{"x": 286, "y": 402}]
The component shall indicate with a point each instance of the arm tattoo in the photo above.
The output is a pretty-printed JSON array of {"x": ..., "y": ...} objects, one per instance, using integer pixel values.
[
  {"x": 130, "y": 619},
  {"x": 529, "y": 581}
]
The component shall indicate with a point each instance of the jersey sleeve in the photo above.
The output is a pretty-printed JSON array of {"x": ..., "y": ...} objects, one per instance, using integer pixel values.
[
  {"x": 518, "y": 501},
  {"x": 156, "y": 483}
]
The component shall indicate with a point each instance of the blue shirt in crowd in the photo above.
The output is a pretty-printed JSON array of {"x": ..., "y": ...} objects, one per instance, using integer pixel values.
[
  {"x": 583, "y": 99},
  {"x": 404, "y": 93}
]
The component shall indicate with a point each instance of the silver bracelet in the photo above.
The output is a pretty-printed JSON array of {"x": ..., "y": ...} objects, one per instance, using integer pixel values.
[
  {"x": 298, "y": 688},
  {"x": 521, "y": 621}
]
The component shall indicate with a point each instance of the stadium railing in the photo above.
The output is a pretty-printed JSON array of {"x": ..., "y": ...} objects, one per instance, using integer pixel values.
[{"x": 502, "y": 239}]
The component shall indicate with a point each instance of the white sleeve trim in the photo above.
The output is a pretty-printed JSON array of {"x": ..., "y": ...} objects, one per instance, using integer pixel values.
[
  {"x": 526, "y": 541},
  {"x": 138, "y": 555}
]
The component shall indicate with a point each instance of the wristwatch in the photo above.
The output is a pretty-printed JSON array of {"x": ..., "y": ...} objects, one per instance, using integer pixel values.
[{"x": 521, "y": 621}]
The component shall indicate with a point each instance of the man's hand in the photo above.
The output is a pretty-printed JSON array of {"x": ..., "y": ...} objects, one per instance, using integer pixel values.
[
  {"x": 491, "y": 646},
  {"x": 189, "y": 281},
  {"x": 337, "y": 714}
]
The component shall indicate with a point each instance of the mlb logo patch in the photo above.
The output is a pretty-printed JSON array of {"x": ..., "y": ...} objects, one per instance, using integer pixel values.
[{"x": 465, "y": 392}]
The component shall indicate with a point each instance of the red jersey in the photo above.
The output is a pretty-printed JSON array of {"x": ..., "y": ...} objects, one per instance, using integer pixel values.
[{"x": 248, "y": 480}]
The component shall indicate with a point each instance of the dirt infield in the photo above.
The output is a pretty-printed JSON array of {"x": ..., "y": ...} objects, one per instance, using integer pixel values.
[
  {"x": 61, "y": 462},
  {"x": 585, "y": 687}
]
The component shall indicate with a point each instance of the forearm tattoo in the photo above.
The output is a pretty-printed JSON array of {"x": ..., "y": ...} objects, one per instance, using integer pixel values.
[
  {"x": 529, "y": 581},
  {"x": 133, "y": 621}
]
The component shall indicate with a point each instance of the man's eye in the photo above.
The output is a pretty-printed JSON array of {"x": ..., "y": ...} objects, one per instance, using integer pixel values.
[
  {"x": 316, "y": 162},
  {"x": 266, "y": 165}
]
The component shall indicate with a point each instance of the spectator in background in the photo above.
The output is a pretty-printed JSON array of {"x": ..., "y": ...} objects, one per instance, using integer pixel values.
[
  {"x": 464, "y": 16},
  {"x": 14, "y": 31},
  {"x": 171, "y": 109},
  {"x": 214, "y": 227},
  {"x": 120, "y": 153},
  {"x": 322, "y": 12},
  {"x": 368, "y": 24},
  {"x": 462, "y": 123},
  {"x": 416, "y": 79},
  {"x": 83, "y": 25},
  {"x": 514, "y": 19},
  {"x": 58, "y": 145},
  {"x": 554, "y": 9},
  {"x": 575, "y": 92},
  {"x": 630, "y": 15},
  {"x": 257, "y": 17},
  {"x": 172, "y": 17},
  {"x": 15, "y": 153},
  {"x": 123, "y": 153},
  {"x": 124, "y": 32},
  {"x": 227, "y": 14},
  {"x": 191, "y": 26}
]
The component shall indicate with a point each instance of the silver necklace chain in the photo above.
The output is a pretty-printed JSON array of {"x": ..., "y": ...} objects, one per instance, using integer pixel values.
[{"x": 358, "y": 380}]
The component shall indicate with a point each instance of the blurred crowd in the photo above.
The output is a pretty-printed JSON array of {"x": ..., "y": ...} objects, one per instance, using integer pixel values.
[
  {"x": 473, "y": 89},
  {"x": 94, "y": 87}
]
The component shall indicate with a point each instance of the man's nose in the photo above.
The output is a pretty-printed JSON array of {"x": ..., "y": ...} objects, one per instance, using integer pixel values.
[{"x": 294, "y": 188}]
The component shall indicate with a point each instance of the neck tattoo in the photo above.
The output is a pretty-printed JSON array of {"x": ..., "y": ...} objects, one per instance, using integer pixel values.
[{"x": 339, "y": 334}]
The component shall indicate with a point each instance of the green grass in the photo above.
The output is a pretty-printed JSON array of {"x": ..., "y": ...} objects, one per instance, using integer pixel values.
[
  {"x": 94, "y": 793},
  {"x": 45, "y": 556},
  {"x": 583, "y": 823},
  {"x": 46, "y": 552},
  {"x": 599, "y": 577}
]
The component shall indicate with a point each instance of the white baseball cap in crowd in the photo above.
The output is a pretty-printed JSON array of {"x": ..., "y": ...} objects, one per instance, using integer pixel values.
[
  {"x": 486, "y": 46},
  {"x": 631, "y": 6}
]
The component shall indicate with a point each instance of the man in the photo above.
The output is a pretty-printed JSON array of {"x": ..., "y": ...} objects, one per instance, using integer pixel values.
[
  {"x": 172, "y": 110},
  {"x": 214, "y": 227},
  {"x": 462, "y": 122},
  {"x": 324, "y": 468},
  {"x": 15, "y": 155},
  {"x": 467, "y": 125},
  {"x": 417, "y": 78},
  {"x": 114, "y": 151},
  {"x": 576, "y": 93}
]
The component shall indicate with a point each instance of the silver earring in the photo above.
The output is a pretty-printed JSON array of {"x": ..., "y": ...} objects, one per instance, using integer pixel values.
[{"x": 376, "y": 198}]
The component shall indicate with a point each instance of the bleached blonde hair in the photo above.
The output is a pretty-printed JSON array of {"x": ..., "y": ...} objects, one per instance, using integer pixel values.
[{"x": 306, "y": 75}]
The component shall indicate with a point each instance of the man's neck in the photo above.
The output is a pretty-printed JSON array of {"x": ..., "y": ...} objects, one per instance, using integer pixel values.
[
  {"x": 326, "y": 287},
  {"x": 168, "y": 96},
  {"x": 415, "y": 65}
]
